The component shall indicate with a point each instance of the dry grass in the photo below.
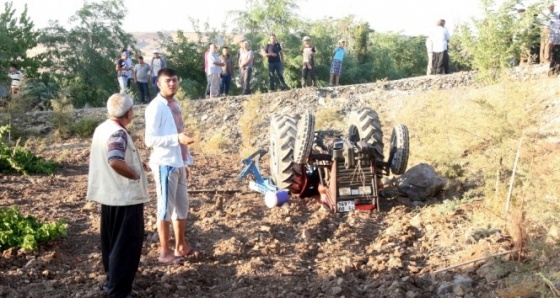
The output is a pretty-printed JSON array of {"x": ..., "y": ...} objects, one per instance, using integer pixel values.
[
  {"x": 249, "y": 124},
  {"x": 471, "y": 136},
  {"x": 329, "y": 118},
  {"x": 191, "y": 123},
  {"x": 216, "y": 144}
]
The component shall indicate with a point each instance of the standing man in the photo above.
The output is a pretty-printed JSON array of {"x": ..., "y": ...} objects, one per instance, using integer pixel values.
[
  {"x": 440, "y": 38},
  {"x": 308, "y": 53},
  {"x": 214, "y": 69},
  {"x": 336, "y": 65},
  {"x": 122, "y": 72},
  {"x": 227, "y": 71},
  {"x": 129, "y": 67},
  {"x": 241, "y": 49},
  {"x": 430, "y": 53},
  {"x": 547, "y": 18},
  {"x": 17, "y": 77},
  {"x": 118, "y": 182},
  {"x": 246, "y": 64},
  {"x": 141, "y": 76},
  {"x": 554, "y": 48},
  {"x": 273, "y": 51},
  {"x": 170, "y": 158},
  {"x": 158, "y": 63},
  {"x": 207, "y": 71}
]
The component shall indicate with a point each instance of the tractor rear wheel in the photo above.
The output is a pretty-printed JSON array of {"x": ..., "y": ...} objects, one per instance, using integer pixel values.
[
  {"x": 283, "y": 129},
  {"x": 399, "y": 150},
  {"x": 365, "y": 125},
  {"x": 304, "y": 137}
]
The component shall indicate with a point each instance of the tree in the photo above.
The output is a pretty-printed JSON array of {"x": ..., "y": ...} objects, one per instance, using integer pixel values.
[
  {"x": 82, "y": 59},
  {"x": 17, "y": 36},
  {"x": 496, "y": 39}
]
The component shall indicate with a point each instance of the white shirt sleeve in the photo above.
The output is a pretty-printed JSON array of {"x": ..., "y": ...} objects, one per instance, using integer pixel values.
[{"x": 154, "y": 137}]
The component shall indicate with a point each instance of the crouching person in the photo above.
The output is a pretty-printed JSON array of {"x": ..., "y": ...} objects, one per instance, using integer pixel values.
[{"x": 118, "y": 182}]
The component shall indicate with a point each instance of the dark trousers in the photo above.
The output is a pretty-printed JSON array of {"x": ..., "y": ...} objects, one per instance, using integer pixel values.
[
  {"x": 144, "y": 91},
  {"x": 225, "y": 83},
  {"x": 154, "y": 81},
  {"x": 307, "y": 68},
  {"x": 439, "y": 60},
  {"x": 554, "y": 67},
  {"x": 246, "y": 74},
  {"x": 208, "y": 81},
  {"x": 446, "y": 65},
  {"x": 272, "y": 68},
  {"x": 122, "y": 233}
]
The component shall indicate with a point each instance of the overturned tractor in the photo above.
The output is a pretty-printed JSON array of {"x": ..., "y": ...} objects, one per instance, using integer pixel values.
[{"x": 344, "y": 171}]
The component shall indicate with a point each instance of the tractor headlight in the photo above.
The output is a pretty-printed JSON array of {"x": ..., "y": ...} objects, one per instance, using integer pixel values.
[{"x": 344, "y": 191}]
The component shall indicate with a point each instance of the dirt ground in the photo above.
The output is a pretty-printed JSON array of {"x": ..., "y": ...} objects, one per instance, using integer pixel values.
[{"x": 249, "y": 250}]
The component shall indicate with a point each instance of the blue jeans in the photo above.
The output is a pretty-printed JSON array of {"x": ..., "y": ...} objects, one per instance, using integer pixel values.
[
  {"x": 144, "y": 91},
  {"x": 225, "y": 83},
  {"x": 154, "y": 81},
  {"x": 276, "y": 67}
]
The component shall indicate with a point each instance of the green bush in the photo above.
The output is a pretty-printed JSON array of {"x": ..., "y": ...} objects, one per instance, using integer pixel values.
[
  {"x": 26, "y": 232},
  {"x": 16, "y": 159}
]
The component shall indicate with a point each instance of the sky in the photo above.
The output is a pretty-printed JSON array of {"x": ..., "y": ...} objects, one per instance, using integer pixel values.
[{"x": 411, "y": 17}]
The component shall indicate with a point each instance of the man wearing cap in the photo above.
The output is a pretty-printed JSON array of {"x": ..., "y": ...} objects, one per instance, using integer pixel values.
[
  {"x": 547, "y": 18},
  {"x": 308, "y": 52},
  {"x": 336, "y": 65},
  {"x": 117, "y": 180},
  {"x": 158, "y": 63},
  {"x": 273, "y": 51},
  {"x": 440, "y": 38}
]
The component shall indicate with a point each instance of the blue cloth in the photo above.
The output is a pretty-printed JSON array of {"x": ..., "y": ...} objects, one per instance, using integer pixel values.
[
  {"x": 225, "y": 83},
  {"x": 144, "y": 90},
  {"x": 164, "y": 172},
  {"x": 276, "y": 67},
  {"x": 339, "y": 54}
]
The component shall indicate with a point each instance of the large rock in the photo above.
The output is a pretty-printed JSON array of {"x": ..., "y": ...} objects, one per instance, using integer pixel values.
[{"x": 420, "y": 182}]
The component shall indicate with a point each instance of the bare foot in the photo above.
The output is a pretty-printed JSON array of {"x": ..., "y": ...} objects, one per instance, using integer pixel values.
[
  {"x": 189, "y": 252},
  {"x": 170, "y": 259}
]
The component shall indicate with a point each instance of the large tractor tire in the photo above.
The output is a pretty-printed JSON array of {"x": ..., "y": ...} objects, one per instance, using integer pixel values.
[
  {"x": 304, "y": 137},
  {"x": 364, "y": 125},
  {"x": 399, "y": 150},
  {"x": 283, "y": 129}
]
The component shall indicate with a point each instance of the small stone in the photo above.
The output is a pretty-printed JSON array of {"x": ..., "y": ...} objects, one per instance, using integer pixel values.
[
  {"x": 336, "y": 290},
  {"x": 306, "y": 235},
  {"x": 458, "y": 291},
  {"x": 340, "y": 281},
  {"x": 45, "y": 273},
  {"x": 288, "y": 219},
  {"x": 265, "y": 229},
  {"x": 464, "y": 281},
  {"x": 445, "y": 288}
]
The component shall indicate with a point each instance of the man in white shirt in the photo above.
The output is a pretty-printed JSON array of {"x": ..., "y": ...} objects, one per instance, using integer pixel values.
[
  {"x": 440, "y": 59},
  {"x": 554, "y": 48},
  {"x": 214, "y": 70},
  {"x": 170, "y": 158},
  {"x": 430, "y": 53},
  {"x": 547, "y": 18}
]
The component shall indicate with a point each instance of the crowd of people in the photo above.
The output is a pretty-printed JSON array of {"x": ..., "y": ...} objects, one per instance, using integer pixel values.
[{"x": 220, "y": 69}]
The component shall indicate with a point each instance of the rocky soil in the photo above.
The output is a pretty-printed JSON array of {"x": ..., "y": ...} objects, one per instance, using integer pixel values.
[{"x": 249, "y": 250}]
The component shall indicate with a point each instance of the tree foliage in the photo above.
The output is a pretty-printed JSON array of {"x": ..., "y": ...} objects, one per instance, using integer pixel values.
[
  {"x": 496, "y": 39},
  {"x": 17, "y": 36},
  {"x": 82, "y": 59}
]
